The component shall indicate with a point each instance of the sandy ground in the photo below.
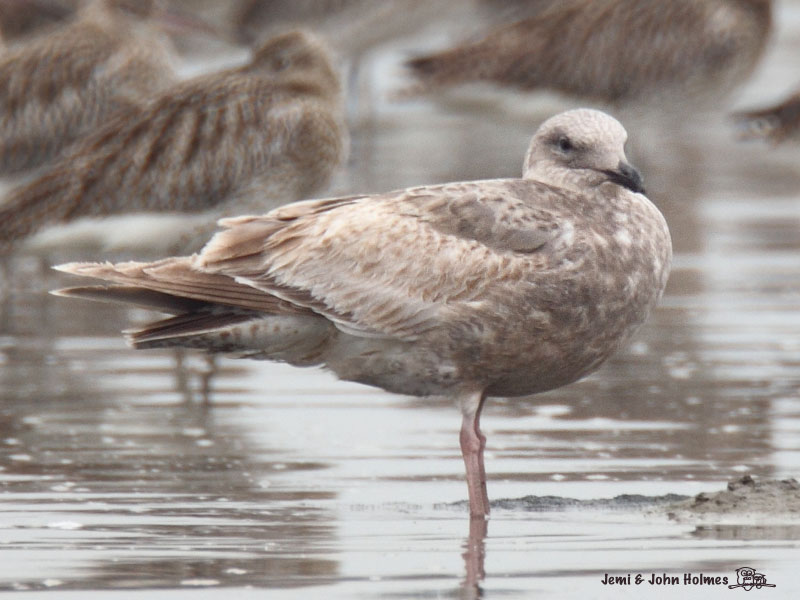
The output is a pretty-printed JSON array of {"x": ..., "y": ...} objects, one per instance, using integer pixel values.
[{"x": 744, "y": 497}]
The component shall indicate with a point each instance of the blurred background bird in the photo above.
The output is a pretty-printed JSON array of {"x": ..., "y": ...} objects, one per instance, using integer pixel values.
[
  {"x": 20, "y": 18},
  {"x": 354, "y": 29},
  {"x": 350, "y": 26},
  {"x": 267, "y": 132},
  {"x": 612, "y": 52},
  {"x": 777, "y": 123},
  {"x": 69, "y": 77}
]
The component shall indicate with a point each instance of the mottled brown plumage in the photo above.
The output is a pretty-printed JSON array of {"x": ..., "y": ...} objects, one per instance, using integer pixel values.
[
  {"x": 778, "y": 123},
  {"x": 273, "y": 126},
  {"x": 58, "y": 86},
  {"x": 614, "y": 51},
  {"x": 501, "y": 287}
]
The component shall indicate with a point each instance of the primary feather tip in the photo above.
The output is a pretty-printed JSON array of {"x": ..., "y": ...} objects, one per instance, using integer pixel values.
[{"x": 79, "y": 268}]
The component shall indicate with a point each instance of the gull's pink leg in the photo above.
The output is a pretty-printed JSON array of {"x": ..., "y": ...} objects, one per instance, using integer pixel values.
[{"x": 472, "y": 444}]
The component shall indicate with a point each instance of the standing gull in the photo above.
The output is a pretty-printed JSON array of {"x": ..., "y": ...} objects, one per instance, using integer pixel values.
[
  {"x": 274, "y": 124},
  {"x": 613, "y": 51},
  {"x": 501, "y": 287}
]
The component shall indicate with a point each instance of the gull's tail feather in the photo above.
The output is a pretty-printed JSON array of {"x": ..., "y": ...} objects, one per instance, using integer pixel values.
[
  {"x": 204, "y": 330},
  {"x": 298, "y": 340},
  {"x": 211, "y": 312},
  {"x": 135, "y": 296}
]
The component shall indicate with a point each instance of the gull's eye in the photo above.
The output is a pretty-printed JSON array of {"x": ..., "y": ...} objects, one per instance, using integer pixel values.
[{"x": 564, "y": 144}]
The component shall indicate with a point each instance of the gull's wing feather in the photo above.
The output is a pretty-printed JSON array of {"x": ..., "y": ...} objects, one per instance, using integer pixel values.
[
  {"x": 387, "y": 265},
  {"x": 174, "y": 277}
]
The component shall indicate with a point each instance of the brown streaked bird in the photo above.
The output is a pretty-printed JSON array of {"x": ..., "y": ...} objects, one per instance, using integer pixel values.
[
  {"x": 57, "y": 86},
  {"x": 273, "y": 125},
  {"x": 353, "y": 28},
  {"x": 778, "y": 123},
  {"x": 502, "y": 287},
  {"x": 617, "y": 52}
]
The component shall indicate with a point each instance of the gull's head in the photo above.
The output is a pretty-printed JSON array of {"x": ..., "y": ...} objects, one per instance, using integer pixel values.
[{"x": 581, "y": 148}]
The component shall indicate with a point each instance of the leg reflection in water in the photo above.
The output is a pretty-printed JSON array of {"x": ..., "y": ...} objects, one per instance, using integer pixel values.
[{"x": 474, "y": 555}]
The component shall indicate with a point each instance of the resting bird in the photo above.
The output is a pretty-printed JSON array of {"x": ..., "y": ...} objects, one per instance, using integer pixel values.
[
  {"x": 618, "y": 52},
  {"x": 777, "y": 123},
  {"x": 501, "y": 287},
  {"x": 57, "y": 86},
  {"x": 274, "y": 124}
]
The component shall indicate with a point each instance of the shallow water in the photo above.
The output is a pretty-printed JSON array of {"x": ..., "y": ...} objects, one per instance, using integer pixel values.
[{"x": 113, "y": 476}]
